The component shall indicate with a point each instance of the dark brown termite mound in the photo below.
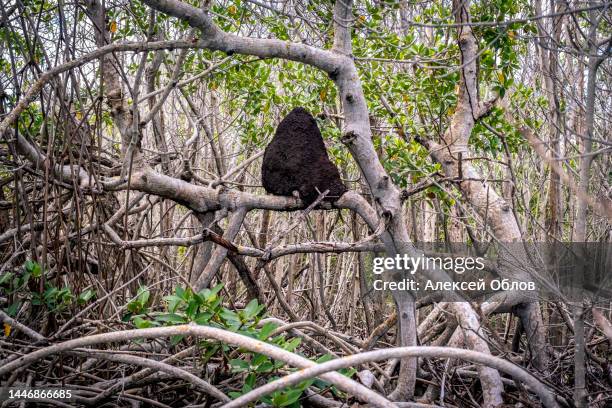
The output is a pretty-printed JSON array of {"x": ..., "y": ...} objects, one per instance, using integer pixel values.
[{"x": 296, "y": 160}]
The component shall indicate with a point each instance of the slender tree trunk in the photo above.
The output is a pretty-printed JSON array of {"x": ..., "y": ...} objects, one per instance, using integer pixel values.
[
  {"x": 580, "y": 225},
  {"x": 549, "y": 65}
]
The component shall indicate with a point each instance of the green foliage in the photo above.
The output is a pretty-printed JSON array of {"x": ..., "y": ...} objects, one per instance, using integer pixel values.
[
  {"x": 140, "y": 302},
  {"x": 24, "y": 286},
  {"x": 53, "y": 298},
  {"x": 485, "y": 140},
  {"x": 206, "y": 308},
  {"x": 85, "y": 297},
  {"x": 500, "y": 43}
]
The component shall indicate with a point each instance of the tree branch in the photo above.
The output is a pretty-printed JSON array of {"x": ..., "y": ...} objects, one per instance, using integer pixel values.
[
  {"x": 342, "y": 382},
  {"x": 547, "y": 397},
  {"x": 215, "y": 39}
]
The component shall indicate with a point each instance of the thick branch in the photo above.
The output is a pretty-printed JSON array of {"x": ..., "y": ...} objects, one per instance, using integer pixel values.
[
  {"x": 547, "y": 397},
  {"x": 216, "y": 39},
  {"x": 342, "y": 382},
  {"x": 159, "y": 366}
]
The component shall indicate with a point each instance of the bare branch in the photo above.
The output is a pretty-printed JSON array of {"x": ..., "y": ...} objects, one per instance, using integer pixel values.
[
  {"x": 158, "y": 366},
  {"x": 547, "y": 397},
  {"x": 342, "y": 382}
]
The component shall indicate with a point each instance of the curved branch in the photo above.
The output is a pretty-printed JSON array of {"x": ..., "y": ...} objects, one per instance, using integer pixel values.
[
  {"x": 158, "y": 366},
  {"x": 342, "y": 382},
  {"x": 517, "y": 372},
  {"x": 218, "y": 40}
]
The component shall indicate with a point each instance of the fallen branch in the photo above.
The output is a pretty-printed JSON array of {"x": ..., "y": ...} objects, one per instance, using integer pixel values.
[
  {"x": 158, "y": 366},
  {"x": 342, "y": 382},
  {"x": 547, "y": 397}
]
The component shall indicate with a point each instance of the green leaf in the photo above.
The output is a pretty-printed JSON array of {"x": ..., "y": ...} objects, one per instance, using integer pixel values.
[
  {"x": 173, "y": 302},
  {"x": 203, "y": 318},
  {"x": 250, "y": 380},
  {"x": 174, "y": 340},
  {"x": 170, "y": 318},
  {"x": 279, "y": 399},
  {"x": 33, "y": 268},
  {"x": 13, "y": 309},
  {"x": 235, "y": 394},
  {"x": 291, "y": 397},
  {"x": 134, "y": 307},
  {"x": 251, "y": 309},
  {"x": 180, "y": 293},
  {"x": 293, "y": 344},
  {"x": 216, "y": 289},
  {"x": 324, "y": 358},
  {"x": 4, "y": 278},
  {"x": 192, "y": 308},
  {"x": 143, "y": 295},
  {"x": 50, "y": 293},
  {"x": 266, "y": 330},
  {"x": 265, "y": 367},
  {"x": 259, "y": 359},
  {"x": 141, "y": 323},
  {"x": 239, "y": 365},
  {"x": 230, "y": 315},
  {"x": 29, "y": 265},
  {"x": 86, "y": 296}
]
